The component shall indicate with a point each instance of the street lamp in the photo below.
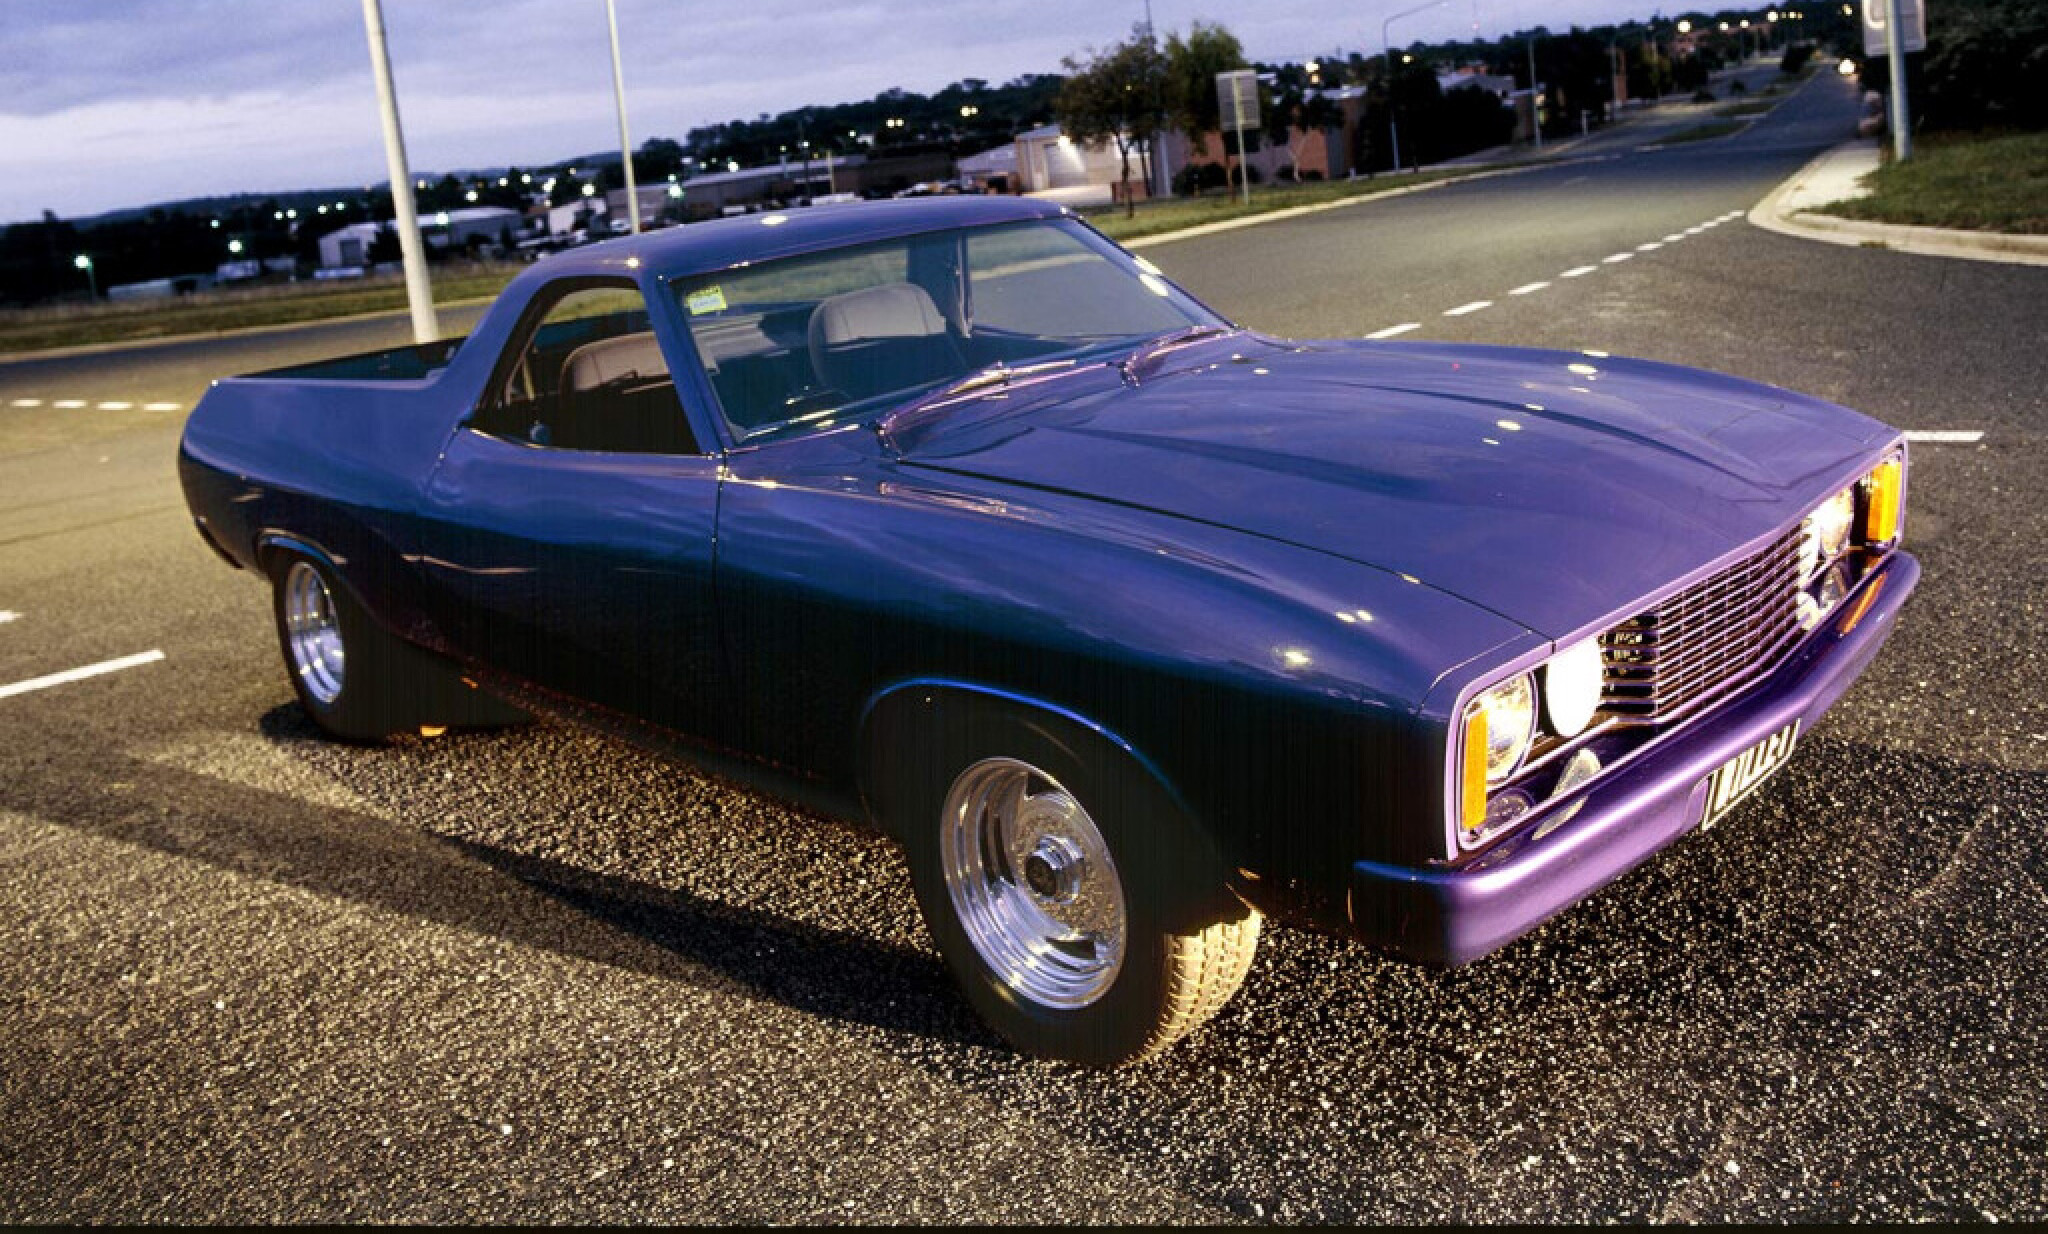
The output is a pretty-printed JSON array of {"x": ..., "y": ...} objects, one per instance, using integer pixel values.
[
  {"x": 1387, "y": 51},
  {"x": 92, "y": 285}
]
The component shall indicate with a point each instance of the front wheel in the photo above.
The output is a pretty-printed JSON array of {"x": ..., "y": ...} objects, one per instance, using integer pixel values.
[{"x": 1059, "y": 891}]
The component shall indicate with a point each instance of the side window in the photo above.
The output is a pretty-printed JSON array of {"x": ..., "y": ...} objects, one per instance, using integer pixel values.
[{"x": 589, "y": 376}]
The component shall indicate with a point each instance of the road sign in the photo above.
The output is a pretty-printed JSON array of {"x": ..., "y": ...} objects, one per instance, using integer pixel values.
[
  {"x": 1237, "y": 96},
  {"x": 1912, "y": 26}
]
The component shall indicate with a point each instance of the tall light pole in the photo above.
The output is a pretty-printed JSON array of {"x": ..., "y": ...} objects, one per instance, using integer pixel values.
[
  {"x": 419, "y": 294},
  {"x": 611, "y": 16},
  {"x": 1387, "y": 51},
  {"x": 1535, "y": 95}
]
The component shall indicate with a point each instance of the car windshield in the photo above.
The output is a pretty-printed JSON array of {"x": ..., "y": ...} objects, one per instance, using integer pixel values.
[{"x": 809, "y": 340}]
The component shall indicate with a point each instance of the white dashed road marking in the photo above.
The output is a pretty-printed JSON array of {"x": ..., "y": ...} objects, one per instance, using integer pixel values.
[
  {"x": 1526, "y": 288},
  {"x": 80, "y": 674},
  {"x": 1651, "y": 247},
  {"x": 69, "y": 404},
  {"x": 74, "y": 404},
  {"x": 1463, "y": 309},
  {"x": 115, "y": 406},
  {"x": 1617, "y": 257},
  {"x": 26, "y": 402},
  {"x": 1950, "y": 436},
  {"x": 7, "y": 615},
  {"x": 161, "y": 406},
  {"x": 1391, "y": 331},
  {"x": 1576, "y": 271}
]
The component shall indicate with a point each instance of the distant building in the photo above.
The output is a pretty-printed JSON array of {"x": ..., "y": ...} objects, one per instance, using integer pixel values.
[{"x": 460, "y": 230}]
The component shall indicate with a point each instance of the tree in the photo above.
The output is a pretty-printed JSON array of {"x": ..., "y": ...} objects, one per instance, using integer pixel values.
[
  {"x": 1113, "y": 96},
  {"x": 1191, "y": 67}
]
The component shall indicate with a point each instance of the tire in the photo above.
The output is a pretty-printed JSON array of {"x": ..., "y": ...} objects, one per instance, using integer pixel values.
[
  {"x": 1018, "y": 831},
  {"x": 357, "y": 681}
]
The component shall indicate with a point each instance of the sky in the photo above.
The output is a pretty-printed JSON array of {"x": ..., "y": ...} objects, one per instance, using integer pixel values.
[{"x": 106, "y": 104}]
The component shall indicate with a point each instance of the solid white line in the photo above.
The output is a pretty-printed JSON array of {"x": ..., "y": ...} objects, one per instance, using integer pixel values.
[
  {"x": 26, "y": 402},
  {"x": 1463, "y": 309},
  {"x": 7, "y": 615},
  {"x": 1958, "y": 436},
  {"x": 1526, "y": 288},
  {"x": 116, "y": 406},
  {"x": 69, "y": 404},
  {"x": 80, "y": 674},
  {"x": 1576, "y": 271},
  {"x": 1391, "y": 331},
  {"x": 1651, "y": 247},
  {"x": 161, "y": 406},
  {"x": 1616, "y": 257}
]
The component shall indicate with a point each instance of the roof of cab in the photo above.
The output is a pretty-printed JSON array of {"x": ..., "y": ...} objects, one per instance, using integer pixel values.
[{"x": 719, "y": 244}]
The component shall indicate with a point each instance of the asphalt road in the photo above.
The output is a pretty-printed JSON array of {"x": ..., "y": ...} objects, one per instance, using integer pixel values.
[{"x": 248, "y": 974}]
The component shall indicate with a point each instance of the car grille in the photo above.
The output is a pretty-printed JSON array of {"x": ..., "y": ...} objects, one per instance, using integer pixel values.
[{"x": 1706, "y": 641}]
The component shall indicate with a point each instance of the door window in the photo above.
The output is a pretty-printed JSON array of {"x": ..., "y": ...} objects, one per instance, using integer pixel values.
[{"x": 589, "y": 375}]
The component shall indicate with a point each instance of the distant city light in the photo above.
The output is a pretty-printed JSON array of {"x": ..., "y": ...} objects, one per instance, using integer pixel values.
[
  {"x": 589, "y": 189},
  {"x": 1846, "y": 68},
  {"x": 470, "y": 195},
  {"x": 234, "y": 246},
  {"x": 82, "y": 262},
  {"x": 216, "y": 224},
  {"x": 1685, "y": 27},
  {"x": 441, "y": 218},
  {"x": 525, "y": 178}
]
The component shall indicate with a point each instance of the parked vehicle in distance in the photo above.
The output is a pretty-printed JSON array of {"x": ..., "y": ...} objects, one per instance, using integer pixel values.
[{"x": 1133, "y": 627}]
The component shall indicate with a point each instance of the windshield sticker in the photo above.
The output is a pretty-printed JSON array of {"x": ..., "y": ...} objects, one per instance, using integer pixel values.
[{"x": 709, "y": 300}]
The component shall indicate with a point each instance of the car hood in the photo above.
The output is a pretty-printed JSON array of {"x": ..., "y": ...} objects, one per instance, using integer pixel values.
[{"x": 1554, "y": 488}]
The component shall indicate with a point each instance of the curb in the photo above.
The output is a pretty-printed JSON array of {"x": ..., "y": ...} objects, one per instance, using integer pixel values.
[
  {"x": 1295, "y": 212},
  {"x": 1771, "y": 215}
]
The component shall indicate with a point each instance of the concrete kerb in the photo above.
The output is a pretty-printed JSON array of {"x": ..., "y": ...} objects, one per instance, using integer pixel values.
[{"x": 1773, "y": 213}]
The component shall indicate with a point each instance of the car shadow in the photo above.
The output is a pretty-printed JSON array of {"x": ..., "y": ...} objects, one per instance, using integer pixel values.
[{"x": 524, "y": 898}]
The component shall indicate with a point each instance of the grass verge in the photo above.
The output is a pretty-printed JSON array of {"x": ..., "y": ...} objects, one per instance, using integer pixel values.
[
  {"x": 1702, "y": 132},
  {"x": 1155, "y": 217},
  {"x": 210, "y": 312},
  {"x": 1969, "y": 181}
]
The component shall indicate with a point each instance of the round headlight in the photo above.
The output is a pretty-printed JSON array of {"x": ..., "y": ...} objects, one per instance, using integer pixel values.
[
  {"x": 1510, "y": 710},
  {"x": 1830, "y": 523},
  {"x": 1571, "y": 688}
]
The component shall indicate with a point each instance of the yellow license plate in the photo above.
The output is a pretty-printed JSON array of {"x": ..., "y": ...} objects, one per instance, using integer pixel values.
[{"x": 1737, "y": 777}]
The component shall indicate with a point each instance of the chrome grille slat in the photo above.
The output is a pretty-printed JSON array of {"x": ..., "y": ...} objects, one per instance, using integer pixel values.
[{"x": 1706, "y": 641}]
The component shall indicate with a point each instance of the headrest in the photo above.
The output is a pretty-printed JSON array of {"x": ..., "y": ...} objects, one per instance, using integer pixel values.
[
  {"x": 893, "y": 310},
  {"x": 607, "y": 360}
]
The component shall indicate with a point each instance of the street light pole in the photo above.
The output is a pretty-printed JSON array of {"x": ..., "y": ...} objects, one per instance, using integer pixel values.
[
  {"x": 419, "y": 294},
  {"x": 611, "y": 16},
  {"x": 1535, "y": 96},
  {"x": 1387, "y": 52}
]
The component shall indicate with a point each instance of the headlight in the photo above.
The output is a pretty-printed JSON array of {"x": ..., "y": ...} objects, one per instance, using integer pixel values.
[
  {"x": 1508, "y": 711},
  {"x": 1828, "y": 528},
  {"x": 1571, "y": 688}
]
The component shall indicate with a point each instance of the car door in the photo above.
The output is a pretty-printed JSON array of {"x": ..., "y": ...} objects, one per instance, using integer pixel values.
[{"x": 568, "y": 531}]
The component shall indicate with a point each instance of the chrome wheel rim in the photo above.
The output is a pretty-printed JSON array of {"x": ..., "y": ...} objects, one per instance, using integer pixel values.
[
  {"x": 1032, "y": 883},
  {"x": 313, "y": 632}
]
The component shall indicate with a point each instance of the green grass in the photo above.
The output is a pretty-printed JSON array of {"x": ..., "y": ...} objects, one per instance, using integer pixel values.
[
  {"x": 1702, "y": 132},
  {"x": 1153, "y": 218},
  {"x": 1969, "y": 181},
  {"x": 1757, "y": 108},
  {"x": 210, "y": 312}
]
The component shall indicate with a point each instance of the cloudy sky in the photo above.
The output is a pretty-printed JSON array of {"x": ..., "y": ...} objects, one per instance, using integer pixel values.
[{"x": 112, "y": 103}]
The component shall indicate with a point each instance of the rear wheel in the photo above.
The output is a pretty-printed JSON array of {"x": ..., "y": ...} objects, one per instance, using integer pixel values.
[
  {"x": 355, "y": 680},
  {"x": 1059, "y": 891}
]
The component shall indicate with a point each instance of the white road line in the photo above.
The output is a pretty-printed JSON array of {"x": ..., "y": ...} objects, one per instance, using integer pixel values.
[
  {"x": 1576, "y": 271},
  {"x": 1463, "y": 309},
  {"x": 80, "y": 674},
  {"x": 1391, "y": 331},
  {"x": 1956, "y": 436},
  {"x": 1710, "y": 223},
  {"x": 1693, "y": 231},
  {"x": 1651, "y": 247},
  {"x": 1617, "y": 257},
  {"x": 26, "y": 402},
  {"x": 1674, "y": 237},
  {"x": 1526, "y": 288},
  {"x": 161, "y": 406},
  {"x": 116, "y": 406},
  {"x": 69, "y": 404},
  {"x": 7, "y": 615}
]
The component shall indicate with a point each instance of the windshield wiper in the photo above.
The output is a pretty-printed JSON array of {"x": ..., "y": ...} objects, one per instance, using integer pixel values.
[
  {"x": 1158, "y": 347},
  {"x": 994, "y": 376}
]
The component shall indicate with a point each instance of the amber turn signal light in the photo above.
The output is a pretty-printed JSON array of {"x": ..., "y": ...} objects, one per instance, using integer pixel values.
[
  {"x": 1881, "y": 502},
  {"x": 1472, "y": 777}
]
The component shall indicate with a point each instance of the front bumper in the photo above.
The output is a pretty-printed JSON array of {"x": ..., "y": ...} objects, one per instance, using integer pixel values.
[{"x": 1455, "y": 914}]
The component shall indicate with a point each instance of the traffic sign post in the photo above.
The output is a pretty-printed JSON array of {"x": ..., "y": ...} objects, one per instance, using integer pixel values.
[
  {"x": 1237, "y": 98},
  {"x": 1893, "y": 29}
]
